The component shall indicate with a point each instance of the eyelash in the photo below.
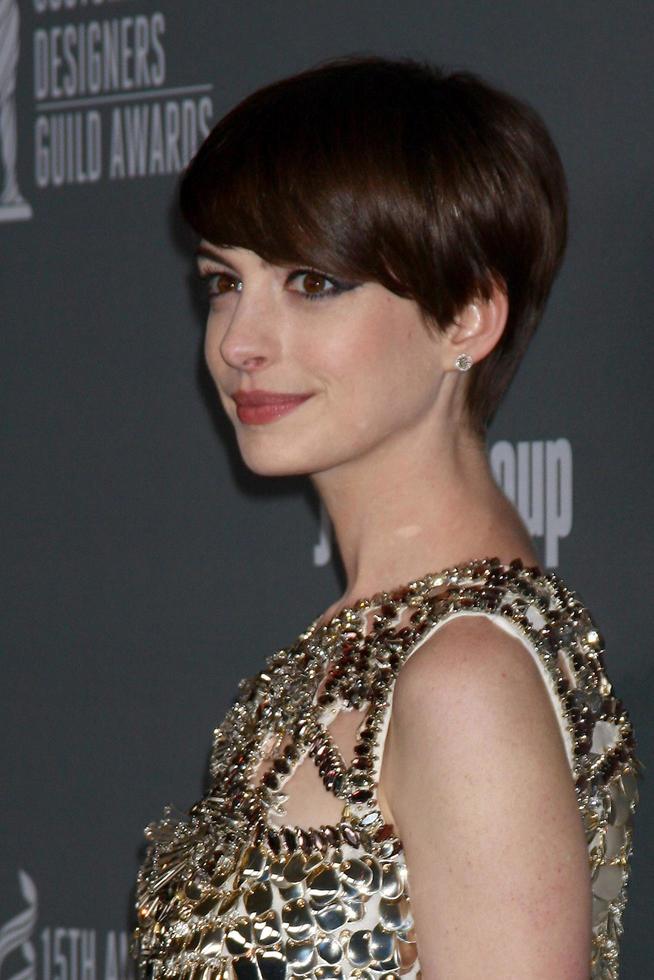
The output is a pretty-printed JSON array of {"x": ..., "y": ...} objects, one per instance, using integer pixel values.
[{"x": 338, "y": 285}]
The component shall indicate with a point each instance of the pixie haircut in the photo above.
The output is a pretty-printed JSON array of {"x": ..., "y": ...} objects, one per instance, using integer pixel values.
[{"x": 436, "y": 185}]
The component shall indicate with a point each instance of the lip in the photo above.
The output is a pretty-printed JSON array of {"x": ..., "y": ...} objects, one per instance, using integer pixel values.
[{"x": 259, "y": 407}]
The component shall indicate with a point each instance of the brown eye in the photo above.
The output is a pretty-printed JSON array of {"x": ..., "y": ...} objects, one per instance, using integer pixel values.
[
  {"x": 225, "y": 283},
  {"x": 314, "y": 282},
  {"x": 219, "y": 283}
]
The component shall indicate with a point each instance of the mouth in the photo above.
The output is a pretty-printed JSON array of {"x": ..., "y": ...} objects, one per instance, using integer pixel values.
[{"x": 261, "y": 407}]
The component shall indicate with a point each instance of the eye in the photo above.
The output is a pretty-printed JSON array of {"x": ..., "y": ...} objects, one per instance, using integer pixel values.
[
  {"x": 318, "y": 285},
  {"x": 219, "y": 282}
]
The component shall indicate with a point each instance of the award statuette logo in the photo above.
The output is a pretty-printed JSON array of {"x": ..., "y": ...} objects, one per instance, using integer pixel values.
[
  {"x": 13, "y": 206},
  {"x": 17, "y": 932}
]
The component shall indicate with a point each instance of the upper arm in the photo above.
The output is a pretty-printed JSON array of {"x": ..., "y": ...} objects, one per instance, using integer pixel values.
[{"x": 481, "y": 791}]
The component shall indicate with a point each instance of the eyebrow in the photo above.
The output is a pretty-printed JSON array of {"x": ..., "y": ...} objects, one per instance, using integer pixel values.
[{"x": 209, "y": 253}]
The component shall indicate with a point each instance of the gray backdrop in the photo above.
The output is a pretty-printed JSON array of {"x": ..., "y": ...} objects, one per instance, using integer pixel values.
[{"x": 142, "y": 571}]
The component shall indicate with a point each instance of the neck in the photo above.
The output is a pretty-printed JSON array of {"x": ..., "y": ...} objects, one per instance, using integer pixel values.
[{"x": 398, "y": 514}]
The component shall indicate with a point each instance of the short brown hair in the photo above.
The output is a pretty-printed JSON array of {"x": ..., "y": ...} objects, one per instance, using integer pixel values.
[{"x": 434, "y": 184}]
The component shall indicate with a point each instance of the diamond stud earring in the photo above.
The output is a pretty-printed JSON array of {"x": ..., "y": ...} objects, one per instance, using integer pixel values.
[{"x": 463, "y": 362}]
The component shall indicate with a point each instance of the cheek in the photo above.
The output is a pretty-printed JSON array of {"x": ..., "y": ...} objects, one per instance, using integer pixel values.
[
  {"x": 376, "y": 375},
  {"x": 359, "y": 346},
  {"x": 380, "y": 355}
]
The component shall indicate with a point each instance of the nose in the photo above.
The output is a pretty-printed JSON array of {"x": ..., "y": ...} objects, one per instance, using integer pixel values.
[{"x": 251, "y": 340}]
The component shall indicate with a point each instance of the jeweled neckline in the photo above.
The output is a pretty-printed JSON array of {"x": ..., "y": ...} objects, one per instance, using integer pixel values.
[{"x": 449, "y": 575}]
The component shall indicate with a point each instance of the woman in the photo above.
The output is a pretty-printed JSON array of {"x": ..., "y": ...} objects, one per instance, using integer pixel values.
[{"x": 379, "y": 240}]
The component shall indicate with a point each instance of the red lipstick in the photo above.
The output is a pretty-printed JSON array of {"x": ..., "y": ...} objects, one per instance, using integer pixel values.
[{"x": 259, "y": 407}]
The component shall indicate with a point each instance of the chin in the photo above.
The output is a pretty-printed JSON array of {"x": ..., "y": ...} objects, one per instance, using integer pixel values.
[
  {"x": 264, "y": 461},
  {"x": 267, "y": 468},
  {"x": 287, "y": 457}
]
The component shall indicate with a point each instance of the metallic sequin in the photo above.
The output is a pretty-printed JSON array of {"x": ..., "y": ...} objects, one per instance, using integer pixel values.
[
  {"x": 391, "y": 884},
  {"x": 358, "y": 948},
  {"x": 298, "y": 920},
  {"x": 212, "y": 941},
  {"x": 332, "y": 917},
  {"x": 272, "y": 964},
  {"x": 267, "y": 928},
  {"x": 259, "y": 899},
  {"x": 323, "y": 886},
  {"x": 381, "y": 943}
]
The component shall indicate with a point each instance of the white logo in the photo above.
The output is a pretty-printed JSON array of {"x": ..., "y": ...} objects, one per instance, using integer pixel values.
[
  {"x": 104, "y": 107},
  {"x": 13, "y": 206},
  {"x": 17, "y": 933},
  {"x": 535, "y": 476}
]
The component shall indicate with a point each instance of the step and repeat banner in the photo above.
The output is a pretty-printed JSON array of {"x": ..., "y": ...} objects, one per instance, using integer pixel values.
[{"x": 141, "y": 561}]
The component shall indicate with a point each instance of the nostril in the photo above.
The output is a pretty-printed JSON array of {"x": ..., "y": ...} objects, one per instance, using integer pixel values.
[{"x": 254, "y": 361}]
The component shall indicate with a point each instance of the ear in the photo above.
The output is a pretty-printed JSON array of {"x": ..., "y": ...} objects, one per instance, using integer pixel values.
[{"x": 476, "y": 329}]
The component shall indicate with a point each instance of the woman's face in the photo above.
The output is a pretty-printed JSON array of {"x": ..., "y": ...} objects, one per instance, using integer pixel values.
[{"x": 313, "y": 371}]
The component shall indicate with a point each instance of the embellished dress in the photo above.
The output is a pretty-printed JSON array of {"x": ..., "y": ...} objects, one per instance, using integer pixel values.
[{"x": 230, "y": 892}]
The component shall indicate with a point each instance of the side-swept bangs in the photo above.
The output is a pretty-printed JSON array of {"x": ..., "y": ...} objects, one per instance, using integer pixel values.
[{"x": 434, "y": 185}]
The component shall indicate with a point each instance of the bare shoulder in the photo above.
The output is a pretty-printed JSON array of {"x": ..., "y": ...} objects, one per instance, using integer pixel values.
[
  {"x": 471, "y": 671},
  {"x": 480, "y": 788},
  {"x": 472, "y": 695}
]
